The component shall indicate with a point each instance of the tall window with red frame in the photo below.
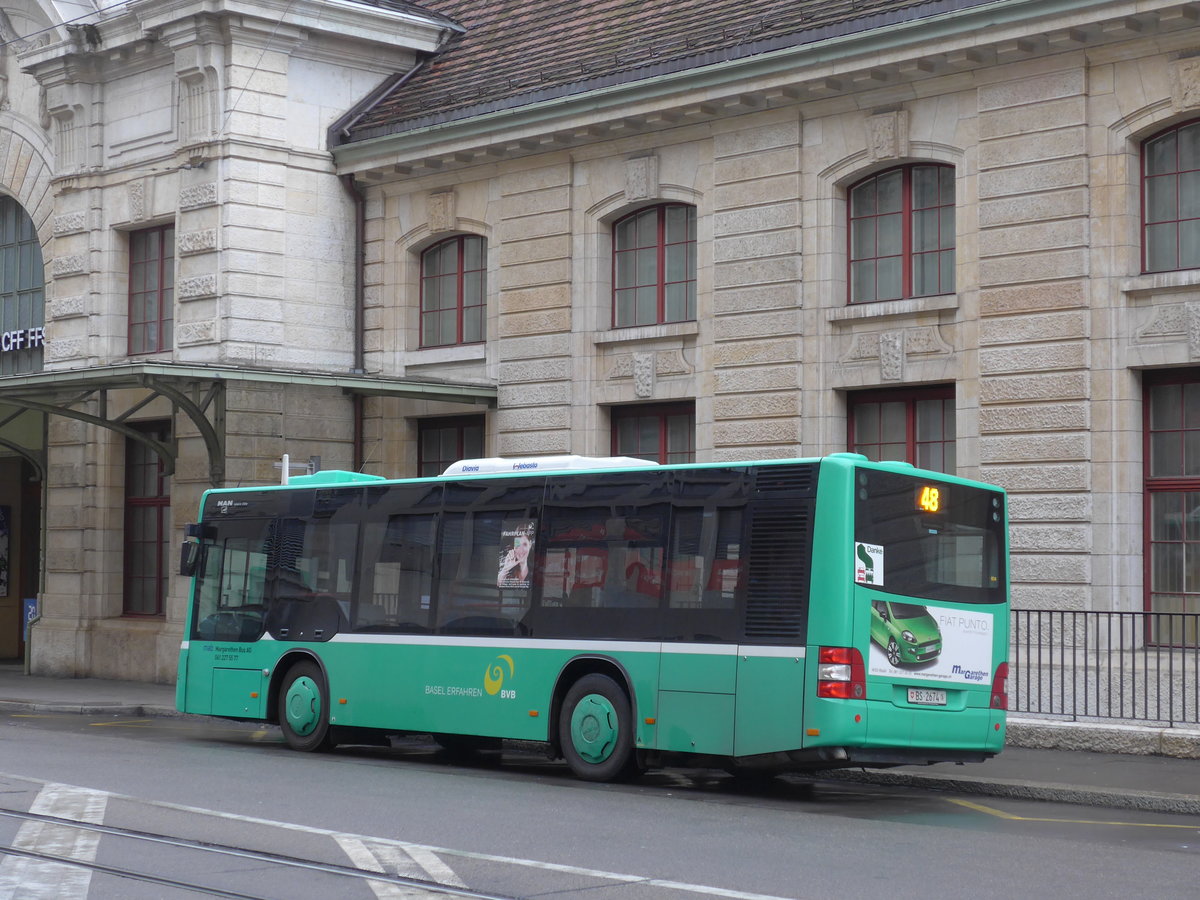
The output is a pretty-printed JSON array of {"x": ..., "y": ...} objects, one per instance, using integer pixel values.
[
  {"x": 910, "y": 425},
  {"x": 901, "y": 232},
  {"x": 441, "y": 442},
  {"x": 1171, "y": 199},
  {"x": 654, "y": 266},
  {"x": 453, "y": 291},
  {"x": 151, "y": 289},
  {"x": 662, "y": 433},
  {"x": 1172, "y": 500},
  {"x": 147, "y": 523}
]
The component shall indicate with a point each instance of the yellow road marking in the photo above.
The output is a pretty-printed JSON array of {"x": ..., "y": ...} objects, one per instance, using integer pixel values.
[{"x": 1000, "y": 814}]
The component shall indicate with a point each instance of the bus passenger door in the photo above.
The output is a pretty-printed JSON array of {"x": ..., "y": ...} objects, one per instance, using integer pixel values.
[{"x": 769, "y": 704}]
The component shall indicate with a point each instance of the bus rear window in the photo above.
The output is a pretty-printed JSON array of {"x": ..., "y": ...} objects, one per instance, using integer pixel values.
[{"x": 929, "y": 539}]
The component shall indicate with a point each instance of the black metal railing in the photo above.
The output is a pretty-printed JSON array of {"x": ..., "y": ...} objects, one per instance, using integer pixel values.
[{"x": 1088, "y": 664}]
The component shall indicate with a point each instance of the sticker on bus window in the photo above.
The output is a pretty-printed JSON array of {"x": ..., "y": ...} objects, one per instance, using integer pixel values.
[
  {"x": 515, "y": 564},
  {"x": 868, "y": 563}
]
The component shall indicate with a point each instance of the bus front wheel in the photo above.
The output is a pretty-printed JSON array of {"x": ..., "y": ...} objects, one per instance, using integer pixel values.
[
  {"x": 304, "y": 709},
  {"x": 595, "y": 730}
]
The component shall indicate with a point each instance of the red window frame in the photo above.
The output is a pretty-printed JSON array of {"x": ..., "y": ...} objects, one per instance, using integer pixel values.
[
  {"x": 147, "y": 502},
  {"x": 1166, "y": 488},
  {"x": 906, "y": 254},
  {"x": 912, "y": 440},
  {"x": 470, "y": 294},
  {"x": 657, "y": 419},
  {"x": 661, "y": 282},
  {"x": 151, "y": 290},
  {"x": 1179, "y": 172},
  {"x": 460, "y": 429}
]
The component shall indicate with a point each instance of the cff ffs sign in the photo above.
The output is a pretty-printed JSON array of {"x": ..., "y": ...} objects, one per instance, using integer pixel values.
[{"x": 22, "y": 339}]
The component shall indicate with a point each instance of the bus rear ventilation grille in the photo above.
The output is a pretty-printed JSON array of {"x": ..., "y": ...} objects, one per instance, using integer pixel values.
[
  {"x": 798, "y": 479},
  {"x": 777, "y": 587}
]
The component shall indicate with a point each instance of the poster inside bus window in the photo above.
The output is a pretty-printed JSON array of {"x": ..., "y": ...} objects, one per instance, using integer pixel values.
[{"x": 515, "y": 562}]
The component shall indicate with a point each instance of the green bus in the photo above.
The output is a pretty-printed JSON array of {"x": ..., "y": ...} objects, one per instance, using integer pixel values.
[{"x": 627, "y": 614}]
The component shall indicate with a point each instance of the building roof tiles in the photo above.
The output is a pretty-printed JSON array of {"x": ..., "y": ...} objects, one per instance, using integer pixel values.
[{"x": 514, "y": 52}]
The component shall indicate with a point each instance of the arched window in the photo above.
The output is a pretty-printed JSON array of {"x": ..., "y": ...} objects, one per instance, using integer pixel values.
[
  {"x": 654, "y": 266},
  {"x": 902, "y": 234},
  {"x": 1171, "y": 199},
  {"x": 22, "y": 294},
  {"x": 453, "y": 291}
]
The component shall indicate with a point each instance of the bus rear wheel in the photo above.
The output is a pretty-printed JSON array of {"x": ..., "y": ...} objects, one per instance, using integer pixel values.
[
  {"x": 304, "y": 709},
  {"x": 595, "y": 730}
]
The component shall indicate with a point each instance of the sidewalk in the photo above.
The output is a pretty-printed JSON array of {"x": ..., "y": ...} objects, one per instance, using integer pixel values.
[{"x": 1074, "y": 773}]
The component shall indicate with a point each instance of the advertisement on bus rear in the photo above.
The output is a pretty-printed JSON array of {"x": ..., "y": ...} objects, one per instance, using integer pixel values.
[{"x": 930, "y": 642}]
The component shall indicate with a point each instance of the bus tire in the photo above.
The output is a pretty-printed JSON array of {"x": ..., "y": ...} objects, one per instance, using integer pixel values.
[
  {"x": 595, "y": 730},
  {"x": 304, "y": 709}
]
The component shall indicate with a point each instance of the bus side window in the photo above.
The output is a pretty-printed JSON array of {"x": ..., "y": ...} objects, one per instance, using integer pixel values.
[
  {"x": 396, "y": 590},
  {"x": 486, "y": 571},
  {"x": 705, "y": 559}
]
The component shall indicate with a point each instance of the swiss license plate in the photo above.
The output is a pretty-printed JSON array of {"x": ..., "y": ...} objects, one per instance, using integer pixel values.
[{"x": 927, "y": 696}]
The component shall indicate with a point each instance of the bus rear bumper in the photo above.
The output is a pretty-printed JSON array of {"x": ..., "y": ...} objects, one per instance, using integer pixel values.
[{"x": 819, "y": 758}]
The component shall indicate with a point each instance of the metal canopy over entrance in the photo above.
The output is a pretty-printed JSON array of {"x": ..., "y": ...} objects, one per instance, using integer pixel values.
[{"x": 199, "y": 392}]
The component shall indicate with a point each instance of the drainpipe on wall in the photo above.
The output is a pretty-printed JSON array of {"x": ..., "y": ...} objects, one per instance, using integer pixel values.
[{"x": 360, "y": 258}]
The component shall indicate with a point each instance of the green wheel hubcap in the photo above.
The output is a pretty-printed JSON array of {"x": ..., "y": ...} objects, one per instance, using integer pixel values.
[
  {"x": 303, "y": 706},
  {"x": 594, "y": 728}
]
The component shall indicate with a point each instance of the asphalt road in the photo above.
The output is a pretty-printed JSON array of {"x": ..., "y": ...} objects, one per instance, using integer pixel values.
[{"x": 515, "y": 824}]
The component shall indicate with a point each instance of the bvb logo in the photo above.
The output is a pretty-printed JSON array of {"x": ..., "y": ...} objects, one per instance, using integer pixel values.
[{"x": 493, "y": 678}]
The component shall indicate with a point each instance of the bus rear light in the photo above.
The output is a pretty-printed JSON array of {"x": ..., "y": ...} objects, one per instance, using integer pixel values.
[
  {"x": 841, "y": 674},
  {"x": 1000, "y": 687}
]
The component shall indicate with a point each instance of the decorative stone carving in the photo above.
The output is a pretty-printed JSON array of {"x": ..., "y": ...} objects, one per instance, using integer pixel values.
[
  {"x": 62, "y": 266},
  {"x": 70, "y": 223},
  {"x": 863, "y": 347},
  {"x": 66, "y": 307},
  {"x": 887, "y": 135},
  {"x": 441, "y": 209},
  {"x": 891, "y": 356},
  {"x": 192, "y": 333},
  {"x": 1193, "y": 333},
  {"x": 196, "y": 287},
  {"x": 643, "y": 374},
  {"x": 668, "y": 362},
  {"x": 1185, "y": 83},
  {"x": 641, "y": 178},
  {"x": 925, "y": 342},
  {"x": 137, "y": 201},
  {"x": 197, "y": 195},
  {"x": 621, "y": 367},
  {"x": 191, "y": 242},
  {"x": 195, "y": 112},
  {"x": 1167, "y": 321}
]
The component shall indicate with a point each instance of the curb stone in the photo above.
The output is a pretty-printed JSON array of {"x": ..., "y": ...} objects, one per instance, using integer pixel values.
[{"x": 1113, "y": 798}]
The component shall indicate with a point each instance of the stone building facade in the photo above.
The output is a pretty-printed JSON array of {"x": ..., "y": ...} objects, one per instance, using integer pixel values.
[
  {"x": 310, "y": 177},
  {"x": 169, "y": 162},
  {"x": 1047, "y": 340}
]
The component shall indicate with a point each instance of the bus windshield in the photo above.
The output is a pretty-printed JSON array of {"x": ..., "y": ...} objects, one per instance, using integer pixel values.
[{"x": 930, "y": 539}]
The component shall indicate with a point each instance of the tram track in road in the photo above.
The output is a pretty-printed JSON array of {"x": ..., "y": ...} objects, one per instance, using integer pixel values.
[{"x": 434, "y": 889}]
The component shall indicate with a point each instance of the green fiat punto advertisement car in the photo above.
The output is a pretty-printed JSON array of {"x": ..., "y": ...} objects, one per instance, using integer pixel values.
[{"x": 907, "y": 632}]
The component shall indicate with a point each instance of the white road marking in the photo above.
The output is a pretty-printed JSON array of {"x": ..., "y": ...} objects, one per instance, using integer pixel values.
[
  {"x": 706, "y": 890},
  {"x": 378, "y": 856},
  {"x": 32, "y": 879}
]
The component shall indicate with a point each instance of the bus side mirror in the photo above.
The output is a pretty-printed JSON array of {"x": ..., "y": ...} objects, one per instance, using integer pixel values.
[{"x": 189, "y": 558}]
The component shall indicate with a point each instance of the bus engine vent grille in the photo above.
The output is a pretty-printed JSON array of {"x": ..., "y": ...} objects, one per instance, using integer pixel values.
[
  {"x": 777, "y": 587},
  {"x": 787, "y": 479}
]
